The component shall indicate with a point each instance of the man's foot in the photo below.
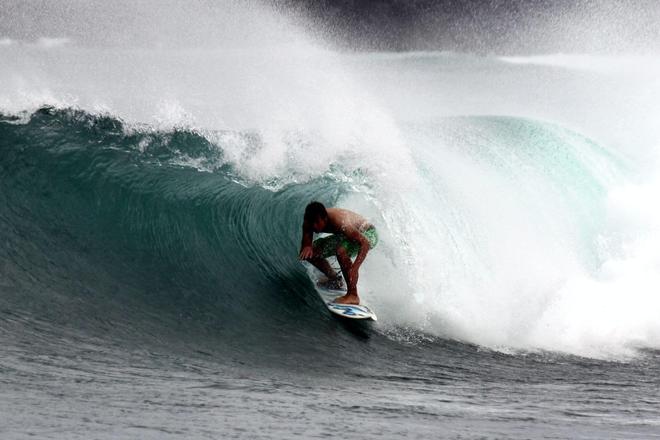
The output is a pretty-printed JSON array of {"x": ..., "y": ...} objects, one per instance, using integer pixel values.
[
  {"x": 336, "y": 283},
  {"x": 347, "y": 299}
]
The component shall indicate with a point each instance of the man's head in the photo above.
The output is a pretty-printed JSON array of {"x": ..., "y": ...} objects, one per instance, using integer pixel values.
[{"x": 316, "y": 216}]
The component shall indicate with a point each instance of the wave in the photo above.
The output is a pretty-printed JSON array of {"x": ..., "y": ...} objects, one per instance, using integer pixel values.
[
  {"x": 171, "y": 236},
  {"x": 118, "y": 232}
]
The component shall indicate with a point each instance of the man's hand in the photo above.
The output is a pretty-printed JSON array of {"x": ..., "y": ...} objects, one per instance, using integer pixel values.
[{"x": 306, "y": 253}]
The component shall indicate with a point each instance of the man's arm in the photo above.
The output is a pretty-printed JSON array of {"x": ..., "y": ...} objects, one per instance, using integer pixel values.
[
  {"x": 306, "y": 250},
  {"x": 354, "y": 235}
]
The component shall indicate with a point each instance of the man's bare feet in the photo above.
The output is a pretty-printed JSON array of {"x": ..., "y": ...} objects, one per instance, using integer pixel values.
[{"x": 347, "y": 299}]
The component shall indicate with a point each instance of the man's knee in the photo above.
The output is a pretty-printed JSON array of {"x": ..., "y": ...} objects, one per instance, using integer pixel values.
[{"x": 341, "y": 252}]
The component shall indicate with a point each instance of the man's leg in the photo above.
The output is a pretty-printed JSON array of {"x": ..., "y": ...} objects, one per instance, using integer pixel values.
[
  {"x": 346, "y": 263},
  {"x": 322, "y": 264},
  {"x": 323, "y": 247}
]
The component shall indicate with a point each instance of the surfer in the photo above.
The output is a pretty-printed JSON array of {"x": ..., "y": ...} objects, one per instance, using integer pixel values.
[{"x": 352, "y": 236}]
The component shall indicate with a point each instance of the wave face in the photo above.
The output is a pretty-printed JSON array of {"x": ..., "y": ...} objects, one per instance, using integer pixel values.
[
  {"x": 109, "y": 232},
  {"x": 160, "y": 234}
]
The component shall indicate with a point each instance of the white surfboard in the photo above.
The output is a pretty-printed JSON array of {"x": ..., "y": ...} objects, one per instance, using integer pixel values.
[{"x": 349, "y": 311}]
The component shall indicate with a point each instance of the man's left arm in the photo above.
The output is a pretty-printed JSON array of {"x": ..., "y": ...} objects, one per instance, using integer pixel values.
[{"x": 356, "y": 236}]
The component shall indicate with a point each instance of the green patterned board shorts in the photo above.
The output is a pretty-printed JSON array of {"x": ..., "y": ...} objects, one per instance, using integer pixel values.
[{"x": 328, "y": 245}]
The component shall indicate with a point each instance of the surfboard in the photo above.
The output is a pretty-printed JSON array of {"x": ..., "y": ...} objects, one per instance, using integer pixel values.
[
  {"x": 352, "y": 311},
  {"x": 348, "y": 311}
]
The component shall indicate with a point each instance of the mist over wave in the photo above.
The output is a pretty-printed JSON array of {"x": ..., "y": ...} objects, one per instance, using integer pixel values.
[{"x": 512, "y": 193}]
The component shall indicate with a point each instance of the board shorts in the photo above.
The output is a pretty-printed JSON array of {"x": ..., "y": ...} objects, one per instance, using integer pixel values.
[{"x": 327, "y": 246}]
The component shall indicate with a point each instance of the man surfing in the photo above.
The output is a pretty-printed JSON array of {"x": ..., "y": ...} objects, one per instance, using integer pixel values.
[{"x": 352, "y": 236}]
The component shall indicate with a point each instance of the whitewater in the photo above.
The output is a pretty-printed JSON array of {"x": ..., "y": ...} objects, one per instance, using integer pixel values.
[{"x": 152, "y": 187}]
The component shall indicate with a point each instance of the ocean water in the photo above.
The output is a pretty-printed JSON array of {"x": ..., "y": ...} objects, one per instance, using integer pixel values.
[{"x": 151, "y": 198}]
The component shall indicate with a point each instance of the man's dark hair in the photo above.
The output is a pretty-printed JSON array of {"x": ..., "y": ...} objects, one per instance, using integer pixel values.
[{"x": 314, "y": 211}]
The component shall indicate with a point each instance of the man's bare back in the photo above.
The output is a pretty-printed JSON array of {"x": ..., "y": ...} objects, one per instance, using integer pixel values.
[{"x": 339, "y": 220}]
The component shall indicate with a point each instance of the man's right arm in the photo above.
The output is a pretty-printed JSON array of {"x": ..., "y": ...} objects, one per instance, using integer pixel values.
[{"x": 306, "y": 250}]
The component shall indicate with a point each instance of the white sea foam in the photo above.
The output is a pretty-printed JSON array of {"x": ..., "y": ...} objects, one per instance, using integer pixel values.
[
  {"x": 619, "y": 64},
  {"x": 50, "y": 42}
]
